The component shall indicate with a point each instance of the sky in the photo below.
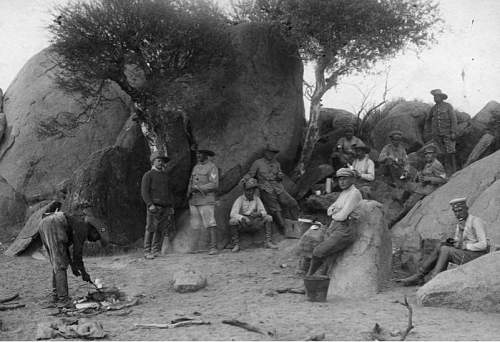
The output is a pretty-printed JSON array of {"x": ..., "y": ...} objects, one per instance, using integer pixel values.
[{"x": 464, "y": 63}]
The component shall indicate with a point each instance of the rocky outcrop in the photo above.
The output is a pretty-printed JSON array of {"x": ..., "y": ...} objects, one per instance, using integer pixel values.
[
  {"x": 432, "y": 218},
  {"x": 50, "y": 132},
  {"x": 12, "y": 209},
  {"x": 484, "y": 115},
  {"x": 474, "y": 286},
  {"x": 363, "y": 268}
]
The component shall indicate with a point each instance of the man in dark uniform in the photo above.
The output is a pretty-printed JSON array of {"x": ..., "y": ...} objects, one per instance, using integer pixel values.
[{"x": 156, "y": 194}]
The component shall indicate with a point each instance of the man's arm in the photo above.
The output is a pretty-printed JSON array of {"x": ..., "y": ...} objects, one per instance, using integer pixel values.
[
  {"x": 370, "y": 173},
  {"x": 260, "y": 206},
  {"x": 453, "y": 121},
  {"x": 384, "y": 154},
  {"x": 350, "y": 204},
  {"x": 236, "y": 209},
  {"x": 481, "y": 244},
  {"x": 213, "y": 180},
  {"x": 145, "y": 186}
]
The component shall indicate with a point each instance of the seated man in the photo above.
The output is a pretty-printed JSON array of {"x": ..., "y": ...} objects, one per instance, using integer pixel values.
[
  {"x": 427, "y": 180},
  {"x": 248, "y": 214},
  {"x": 343, "y": 153},
  {"x": 394, "y": 159},
  {"x": 468, "y": 244},
  {"x": 364, "y": 168},
  {"x": 59, "y": 231},
  {"x": 340, "y": 234}
]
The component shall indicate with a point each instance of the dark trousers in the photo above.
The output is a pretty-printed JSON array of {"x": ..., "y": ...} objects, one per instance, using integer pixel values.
[
  {"x": 60, "y": 284},
  {"x": 157, "y": 226}
]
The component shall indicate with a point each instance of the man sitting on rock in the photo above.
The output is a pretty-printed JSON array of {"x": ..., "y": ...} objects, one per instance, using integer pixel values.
[
  {"x": 248, "y": 214},
  {"x": 268, "y": 173},
  {"x": 343, "y": 153},
  {"x": 59, "y": 231},
  {"x": 468, "y": 244},
  {"x": 340, "y": 234},
  {"x": 394, "y": 159}
]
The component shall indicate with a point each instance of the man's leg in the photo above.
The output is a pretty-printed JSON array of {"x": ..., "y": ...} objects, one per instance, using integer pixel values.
[
  {"x": 148, "y": 234},
  {"x": 442, "y": 260},
  {"x": 332, "y": 246},
  {"x": 61, "y": 282},
  {"x": 208, "y": 218},
  {"x": 268, "y": 226},
  {"x": 164, "y": 221},
  {"x": 427, "y": 265},
  {"x": 273, "y": 207},
  {"x": 235, "y": 237},
  {"x": 287, "y": 201}
]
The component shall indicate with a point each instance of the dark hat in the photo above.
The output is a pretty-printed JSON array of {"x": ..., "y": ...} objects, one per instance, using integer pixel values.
[
  {"x": 430, "y": 148},
  {"x": 156, "y": 155},
  {"x": 272, "y": 149},
  {"x": 207, "y": 152},
  {"x": 438, "y": 92},
  {"x": 361, "y": 145},
  {"x": 250, "y": 183}
]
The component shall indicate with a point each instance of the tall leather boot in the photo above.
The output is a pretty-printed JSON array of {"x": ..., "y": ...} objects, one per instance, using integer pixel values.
[
  {"x": 213, "y": 240},
  {"x": 315, "y": 265},
  {"x": 415, "y": 279},
  {"x": 280, "y": 221},
  {"x": 235, "y": 236},
  {"x": 269, "y": 236},
  {"x": 148, "y": 237},
  {"x": 61, "y": 279}
]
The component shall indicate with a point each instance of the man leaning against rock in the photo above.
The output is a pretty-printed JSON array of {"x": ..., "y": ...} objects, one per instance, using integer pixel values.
[{"x": 468, "y": 244}]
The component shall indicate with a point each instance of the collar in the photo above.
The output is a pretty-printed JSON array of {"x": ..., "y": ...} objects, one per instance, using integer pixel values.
[{"x": 154, "y": 168}]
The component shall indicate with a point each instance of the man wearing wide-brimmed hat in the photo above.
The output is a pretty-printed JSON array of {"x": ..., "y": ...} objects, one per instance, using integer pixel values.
[
  {"x": 364, "y": 167},
  {"x": 268, "y": 173},
  {"x": 444, "y": 128},
  {"x": 202, "y": 191},
  {"x": 155, "y": 191},
  {"x": 468, "y": 244},
  {"x": 343, "y": 153},
  {"x": 248, "y": 214},
  {"x": 394, "y": 159}
]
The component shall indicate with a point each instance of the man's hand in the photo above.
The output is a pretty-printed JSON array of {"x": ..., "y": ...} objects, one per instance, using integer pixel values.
[
  {"x": 245, "y": 219},
  {"x": 453, "y": 136},
  {"x": 357, "y": 174},
  {"x": 152, "y": 208},
  {"x": 75, "y": 271},
  {"x": 86, "y": 277}
]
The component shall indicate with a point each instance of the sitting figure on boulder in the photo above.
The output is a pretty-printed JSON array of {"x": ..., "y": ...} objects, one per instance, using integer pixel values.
[
  {"x": 268, "y": 173},
  {"x": 248, "y": 214},
  {"x": 340, "y": 234},
  {"x": 343, "y": 153},
  {"x": 468, "y": 244},
  {"x": 429, "y": 179},
  {"x": 59, "y": 231},
  {"x": 394, "y": 159}
]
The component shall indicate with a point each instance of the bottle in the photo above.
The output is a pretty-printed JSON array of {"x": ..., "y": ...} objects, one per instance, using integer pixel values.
[{"x": 328, "y": 185}]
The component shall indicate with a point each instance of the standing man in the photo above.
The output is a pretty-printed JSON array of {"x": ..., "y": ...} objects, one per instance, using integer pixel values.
[
  {"x": 444, "y": 128},
  {"x": 394, "y": 159},
  {"x": 59, "y": 231},
  {"x": 202, "y": 191},
  {"x": 268, "y": 173},
  {"x": 248, "y": 214},
  {"x": 468, "y": 244},
  {"x": 156, "y": 194}
]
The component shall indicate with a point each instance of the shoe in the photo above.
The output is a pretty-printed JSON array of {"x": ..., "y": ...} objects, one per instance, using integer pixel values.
[
  {"x": 416, "y": 279},
  {"x": 270, "y": 245},
  {"x": 156, "y": 254},
  {"x": 212, "y": 251},
  {"x": 236, "y": 249},
  {"x": 65, "y": 303},
  {"x": 149, "y": 256}
]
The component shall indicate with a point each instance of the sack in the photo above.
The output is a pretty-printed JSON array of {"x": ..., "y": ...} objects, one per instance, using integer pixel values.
[{"x": 311, "y": 238}]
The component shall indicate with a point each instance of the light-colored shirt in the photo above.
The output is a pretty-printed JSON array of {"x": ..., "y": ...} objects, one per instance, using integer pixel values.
[
  {"x": 267, "y": 173},
  {"x": 398, "y": 154},
  {"x": 206, "y": 177},
  {"x": 365, "y": 167},
  {"x": 243, "y": 207},
  {"x": 347, "y": 201},
  {"x": 474, "y": 234}
]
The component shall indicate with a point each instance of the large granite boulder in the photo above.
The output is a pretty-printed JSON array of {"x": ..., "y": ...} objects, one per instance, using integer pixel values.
[
  {"x": 363, "y": 268},
  {"x": 50, "y": 132},
  {"x": 474, "y": 286},
  {"x": 12, "y": 209},
  {"x": 484, "y": 115},
  {"x": 432, "y": 218}
]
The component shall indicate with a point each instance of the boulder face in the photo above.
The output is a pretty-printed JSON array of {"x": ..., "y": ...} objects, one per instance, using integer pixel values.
[
  {"x": 12, "y": 209},
  {"x": 474, "y": 286},
  {"x": 432, "y": 218},
  {"x": 50, "y": 132},
  {"x": 363, "y": 268},
  {"x": 484, "y": 115}
]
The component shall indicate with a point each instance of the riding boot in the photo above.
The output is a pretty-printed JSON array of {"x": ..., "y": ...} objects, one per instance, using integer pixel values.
[
  {"x": 235, "y": 236},
  {"x": 213, "y": 240},
  {"x": 61, "y": 280},
  {"x": 280, "y": 221},
  {"x": 415, "y": 279},
  {"x": 269, "y": 236},
  {"x": 315, "y": 265}
]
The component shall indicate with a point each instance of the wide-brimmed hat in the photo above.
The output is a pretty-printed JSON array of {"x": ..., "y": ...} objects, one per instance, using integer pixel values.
[
  {"x": 395, "y": 132},
  {"x": 438, "y": 92},
  {"x": 361, "y": 145},
  {"x": 344, "y": 172},
  {"x": 207, "y": 152},
  {"x": 430, "y": 148},
  {"x": 158, "y": 155},
  {"x": 271, "y": 148},
  {"x": 250, "y": 183}
]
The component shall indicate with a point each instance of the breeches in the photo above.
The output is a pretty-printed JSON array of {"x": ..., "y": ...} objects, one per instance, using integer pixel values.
[{"x": 204, "y": 213}]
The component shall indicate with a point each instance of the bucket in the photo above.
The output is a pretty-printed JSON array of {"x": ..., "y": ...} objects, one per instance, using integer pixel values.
[{"x": 316, "y": 288}]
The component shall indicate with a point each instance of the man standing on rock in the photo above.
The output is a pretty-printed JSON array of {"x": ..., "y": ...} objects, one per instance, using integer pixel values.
[
  {"x": 202, "y": 190},
  {"x": 155, "y": 191},
  {"x": 468, "y": 244},
  {"x": 394, "y": 159},
  {"x": 248, "y": 214},
  {"x": 267, "y": 171},
  {"x": 444, "y": 128},
  {"x": 59, "y": 231}
]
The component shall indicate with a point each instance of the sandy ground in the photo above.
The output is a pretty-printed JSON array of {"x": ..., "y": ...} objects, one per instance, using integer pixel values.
[{"x": 240, "y": 286}]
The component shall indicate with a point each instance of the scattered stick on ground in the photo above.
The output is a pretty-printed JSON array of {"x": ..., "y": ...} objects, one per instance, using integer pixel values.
[
  {"x": 243, "y": 325},
  {"x": 410, "y": 317},
  {"x": 11, "y": 307},
  {"x": 9, "y": 298},
  {"x": 171, "y": 325}
]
